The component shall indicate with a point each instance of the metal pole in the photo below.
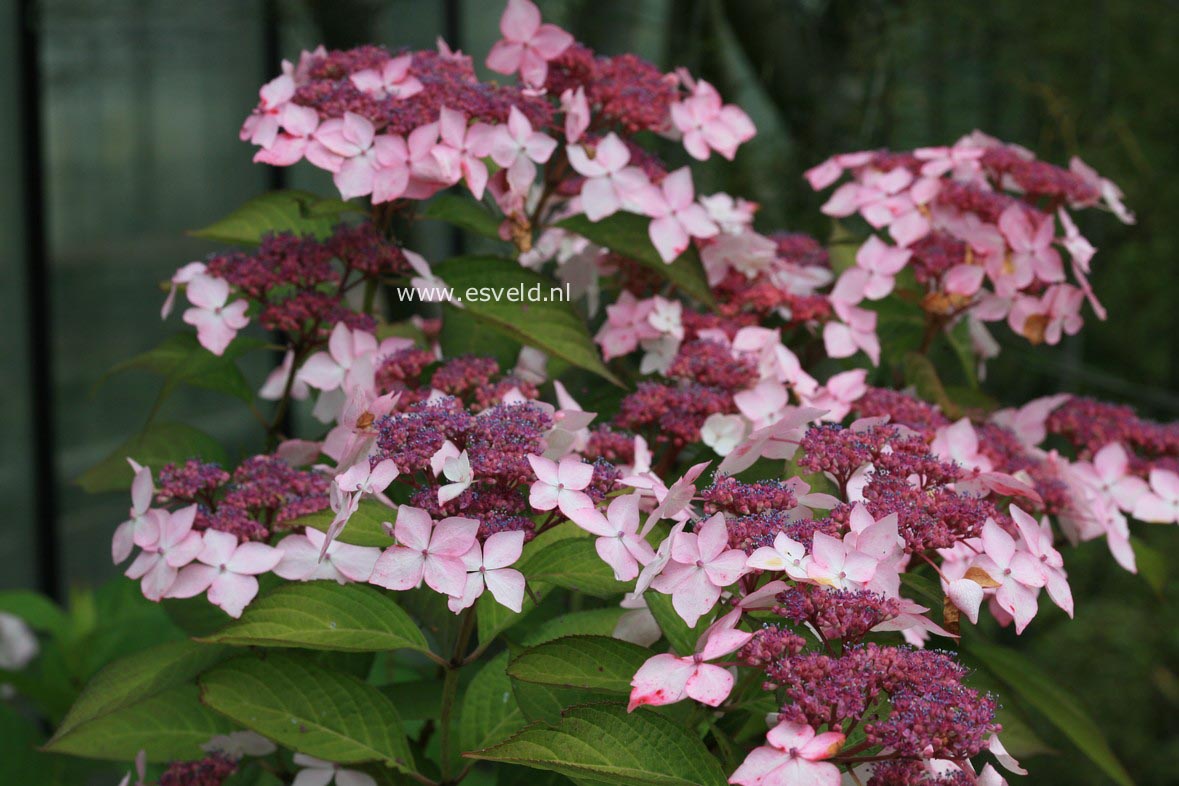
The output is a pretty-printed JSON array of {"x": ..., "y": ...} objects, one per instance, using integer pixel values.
[{"x": 39, "y": 324}]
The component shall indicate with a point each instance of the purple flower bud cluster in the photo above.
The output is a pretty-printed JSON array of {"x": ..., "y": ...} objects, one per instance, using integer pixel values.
[
  {"x": 906, "y": 772},
  {"x": 615, "y": 446},
  {"x": 1091, "y": 425},
  {"x": 711, "y": 363},
  {"x": 296, "y": 283},
  {"x": 192, "y": 481},
  {"x": 264, "y": 491},
  {"x": 840, "y": 451},
  {"x": 846, "y": 615},
  {"x": 630, "y": 91},
  {"x": 412, "y": 436},
  {"x": 770, "y": 643},
  {"x": 901, "y": 409},
  {"x": 742, "y": 499},
  {"x": 497, "y": 441},
  {"x": 909, "y": 702},
  {"x": 1038, "y": 179},
  {"x": 672, "y": 413},
  {"x": 210, "y": 771},
  {"x": 931, "y": 517},
  {"x": 447, "y": 81}
]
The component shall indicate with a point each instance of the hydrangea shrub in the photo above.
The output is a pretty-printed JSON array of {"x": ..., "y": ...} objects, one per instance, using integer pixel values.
[{"x": 713, "y": 504}]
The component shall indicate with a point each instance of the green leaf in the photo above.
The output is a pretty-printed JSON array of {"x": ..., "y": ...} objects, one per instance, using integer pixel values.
[
  {"x": 485, "y": 286},
  {"x": 182, "y": 360},
  {"x": 146, "y": 700},
  {"x": 545, "y": 703},
  {"x": 924, "y": 589},
  {"x": 959, "y": 340},
  {"x": 463, "y": 334},
  {"x": 606, "y": 744},
  {"x": 278, "y": 211},
  {"x": 1152, "y": 565},
  {"x": 626, "y": 234},
  {"x": 596, "y": 663},
  {"x": 309, "y": 708},
  {"x": 1040, "y": 691},
  {"x": 324, "y": 615},
  {"x": 592, "y": 622},
  {"x": 681, "y": 638},
  {"x": 38, "y": 611},
  {"x": 842, "y": 246},
  {"x": 494, "y": 618},
  {"x": 465, "y": 213},
  {"x": 159, "y": 444},
  {"x": 921, "y": 374},
  {"x": 489, "y": 711},
  {"x": 365, "y": 528},
  {"x": 900, "y": 326},
  {"x": 573, "y": 564}
]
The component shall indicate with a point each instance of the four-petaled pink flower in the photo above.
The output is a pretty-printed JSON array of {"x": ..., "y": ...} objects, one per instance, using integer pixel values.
[
  {"x": 794, "y": 757},
  {"x": 958, "y": 443},
  {"x": 1109, "y": 474},
  {"x": 619, "y": 544},
  {"x": 666, "y": 678},
  {"x": 349, "y": 148},
  {"x": 560, "y": 485},
  {"x": 1160, "y": 505},
  {"x": 461, "y": 150},
  {"x": 174, "y": 545},
  {"x": 854, "y": 331},
  {"x": 839, "y": 564},
  {"x": 702, "y": 564},
  {"x": 346, "y": 364},
  {"x": 391, "y": 80},
  {"x": 363, "y": 478},
  {"x": 1031, "y": 243},
  {"x": 216, "y": 322},
  {"x": 341, "y": 562},
  {"x": 677, "y": 217},
  {"x": 708, "y": 124},
  {"x": 873, "y": 275},
  {"x": 786, "y": 555},
  {"x": 519, "y": 149},
  {"x": 527, "y": 45},
  {"x": 426, "y": 551},
  {"x": 1038, "y": 538},
  {"x": 1017, "y": 573},
  {"x": 610, "y": 184},
  {"x": 488, "y": 568},
  {"x": 228, "y": 570}
]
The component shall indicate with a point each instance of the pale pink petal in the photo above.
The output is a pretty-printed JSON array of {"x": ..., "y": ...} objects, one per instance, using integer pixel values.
[
  {"x": 412, "y": 528},
  {"x": 709, "y": 684},
  {"x": 233, "y": 592},
  {"x": 661, "y": 680},
  {"x": 398, "y": 568},
  {"x": 507, "y": 587},
  {"x": 446, "y": 575},
  {"x": 454, "y": 536}
]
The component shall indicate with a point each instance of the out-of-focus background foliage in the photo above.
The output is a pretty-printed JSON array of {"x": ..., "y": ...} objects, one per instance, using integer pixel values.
[{"x": 136, "y": 104}]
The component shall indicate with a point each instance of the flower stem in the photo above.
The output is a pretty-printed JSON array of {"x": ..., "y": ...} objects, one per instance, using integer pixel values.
[{"x": 450, "y": 684}]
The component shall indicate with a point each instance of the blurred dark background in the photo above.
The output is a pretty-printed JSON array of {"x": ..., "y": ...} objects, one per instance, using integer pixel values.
[{"x": 121, "y": 133}]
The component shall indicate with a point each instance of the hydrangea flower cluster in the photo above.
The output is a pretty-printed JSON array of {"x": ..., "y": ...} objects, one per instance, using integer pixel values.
[
  {"x": 291, "y": 284},
  {"x": 203, "y": 530},
  {"x": 975, "y": 226},
  {"x": 454, "y": 464}
]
